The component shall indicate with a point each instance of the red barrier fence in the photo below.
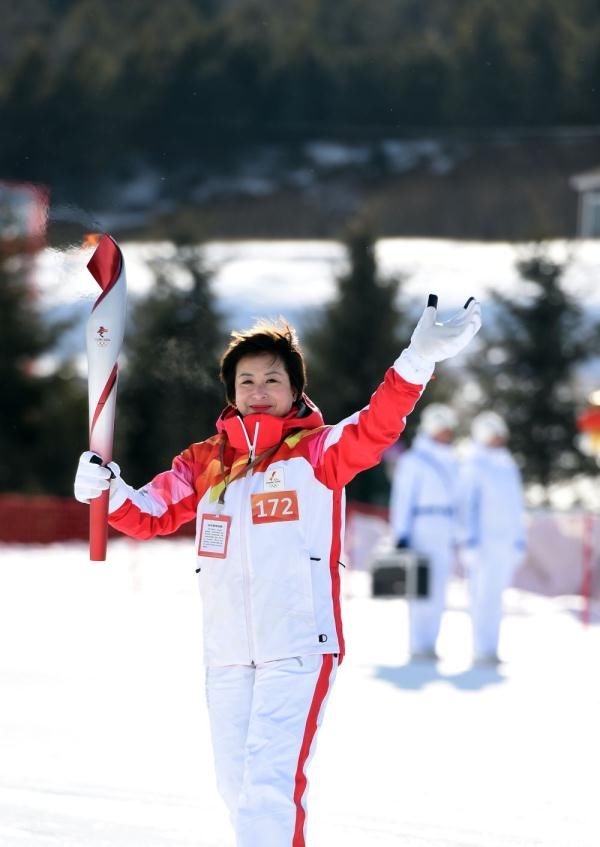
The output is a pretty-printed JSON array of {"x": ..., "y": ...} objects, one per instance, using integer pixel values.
[
  {"x": 44, "y": 520},
  {"x": 36, "y": 519},
  {"x": 563, "y": 548}
]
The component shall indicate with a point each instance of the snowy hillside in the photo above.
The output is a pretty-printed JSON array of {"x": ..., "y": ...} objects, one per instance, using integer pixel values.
[{"x": 295, "y": 278}]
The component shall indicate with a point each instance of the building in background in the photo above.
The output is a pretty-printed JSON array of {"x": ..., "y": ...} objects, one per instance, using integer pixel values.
[{"x": 587, "y": 186}]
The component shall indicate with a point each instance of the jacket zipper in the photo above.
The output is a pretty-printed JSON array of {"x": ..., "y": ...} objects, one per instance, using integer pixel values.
[{"x": 246, "y": 577}]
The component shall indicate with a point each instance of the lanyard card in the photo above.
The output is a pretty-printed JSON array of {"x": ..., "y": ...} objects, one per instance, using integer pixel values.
[{"x": 214, "y": 536}]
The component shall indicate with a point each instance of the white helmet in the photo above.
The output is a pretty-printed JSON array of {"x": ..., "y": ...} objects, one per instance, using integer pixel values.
[
  {"x": 488, "y": 425},
  {"x": 436, "y": 418}
]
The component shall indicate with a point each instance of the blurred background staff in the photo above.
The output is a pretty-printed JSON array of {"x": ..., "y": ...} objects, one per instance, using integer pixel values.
[
  {"x": 491, "y": 528},
  {"x": 422, "y": 518}
]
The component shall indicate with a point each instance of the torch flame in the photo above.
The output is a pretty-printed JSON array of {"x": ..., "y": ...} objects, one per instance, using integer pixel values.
[{"x": 91, "y": 239}]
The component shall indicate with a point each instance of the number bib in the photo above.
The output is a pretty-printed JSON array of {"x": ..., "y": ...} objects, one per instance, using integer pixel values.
[{"x": 274, "y": 506}]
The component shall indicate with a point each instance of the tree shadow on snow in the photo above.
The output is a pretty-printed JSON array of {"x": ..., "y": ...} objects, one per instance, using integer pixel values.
[{"x": 417, "y": 675}]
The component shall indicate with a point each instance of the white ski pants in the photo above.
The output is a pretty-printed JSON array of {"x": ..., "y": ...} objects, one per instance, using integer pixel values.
[
  {"x": 487, "y": 582},
  {"x": 264, "y": 721},
  {"x": 425, "y": 614}
]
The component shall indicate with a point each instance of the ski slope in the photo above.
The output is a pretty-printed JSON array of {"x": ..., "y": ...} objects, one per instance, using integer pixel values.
[{"x": 104, "y": 738}]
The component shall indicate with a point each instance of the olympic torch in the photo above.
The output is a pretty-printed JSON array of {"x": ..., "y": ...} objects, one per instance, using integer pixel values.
[{"x": 104, "y": 336}]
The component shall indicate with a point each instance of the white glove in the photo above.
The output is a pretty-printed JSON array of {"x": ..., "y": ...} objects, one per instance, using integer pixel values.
[
  {"x": 437, "y": 341},
  {"x": 92, "y": 477}
]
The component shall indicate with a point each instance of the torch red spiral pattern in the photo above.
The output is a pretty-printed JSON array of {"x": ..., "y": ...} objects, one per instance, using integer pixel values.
[
  {"x": 110, "y": 383},
  {"x": 105, "y": 266}
]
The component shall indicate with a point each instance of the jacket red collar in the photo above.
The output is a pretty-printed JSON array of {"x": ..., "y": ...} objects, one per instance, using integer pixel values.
[{"x": 256, "y": 433}]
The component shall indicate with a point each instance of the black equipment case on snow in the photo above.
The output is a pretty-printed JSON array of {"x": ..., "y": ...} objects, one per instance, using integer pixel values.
[{"x": 400, "y": 573}]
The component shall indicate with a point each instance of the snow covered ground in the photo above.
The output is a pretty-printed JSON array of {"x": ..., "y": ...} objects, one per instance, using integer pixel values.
[{"x": 104, "y": 739}]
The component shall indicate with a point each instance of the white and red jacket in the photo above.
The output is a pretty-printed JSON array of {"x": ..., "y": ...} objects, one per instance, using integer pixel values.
[{"x": 277, "y": 592}]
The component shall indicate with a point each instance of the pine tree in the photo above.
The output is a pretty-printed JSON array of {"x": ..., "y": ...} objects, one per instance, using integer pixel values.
[
  {"x": 61, "y": 422},
  {"x": 23, "y": 338},
  {"x": 356, "y": 340},
  {"x": 545, "y": 38},
  {"x": 527, "y": 369},
  {"x": 169, "y": 395},
  {"x": 43, "y": 416},
  {"x": 483, "y": 84}
]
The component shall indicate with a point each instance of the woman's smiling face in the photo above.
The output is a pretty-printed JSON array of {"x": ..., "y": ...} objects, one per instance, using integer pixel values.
[{"x": 262, "y": 386}]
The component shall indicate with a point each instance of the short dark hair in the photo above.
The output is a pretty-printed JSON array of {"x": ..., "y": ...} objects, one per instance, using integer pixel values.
[{"x": 277, "y": 338}]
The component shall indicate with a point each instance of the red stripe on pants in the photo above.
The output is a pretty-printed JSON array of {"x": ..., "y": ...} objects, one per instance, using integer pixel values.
[
  {"x": 321, "y": 689},
  {"x": 334, "y": 567}
]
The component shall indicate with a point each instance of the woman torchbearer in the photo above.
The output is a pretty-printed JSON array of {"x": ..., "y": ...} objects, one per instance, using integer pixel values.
[{"x": 267, "y": 494}]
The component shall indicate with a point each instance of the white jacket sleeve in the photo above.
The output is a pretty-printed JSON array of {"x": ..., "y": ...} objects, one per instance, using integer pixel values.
[
  {"x": 468, "y": 529},
  {"x": 518, "y": 501},
  {"x": 403, "y": 497}
]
